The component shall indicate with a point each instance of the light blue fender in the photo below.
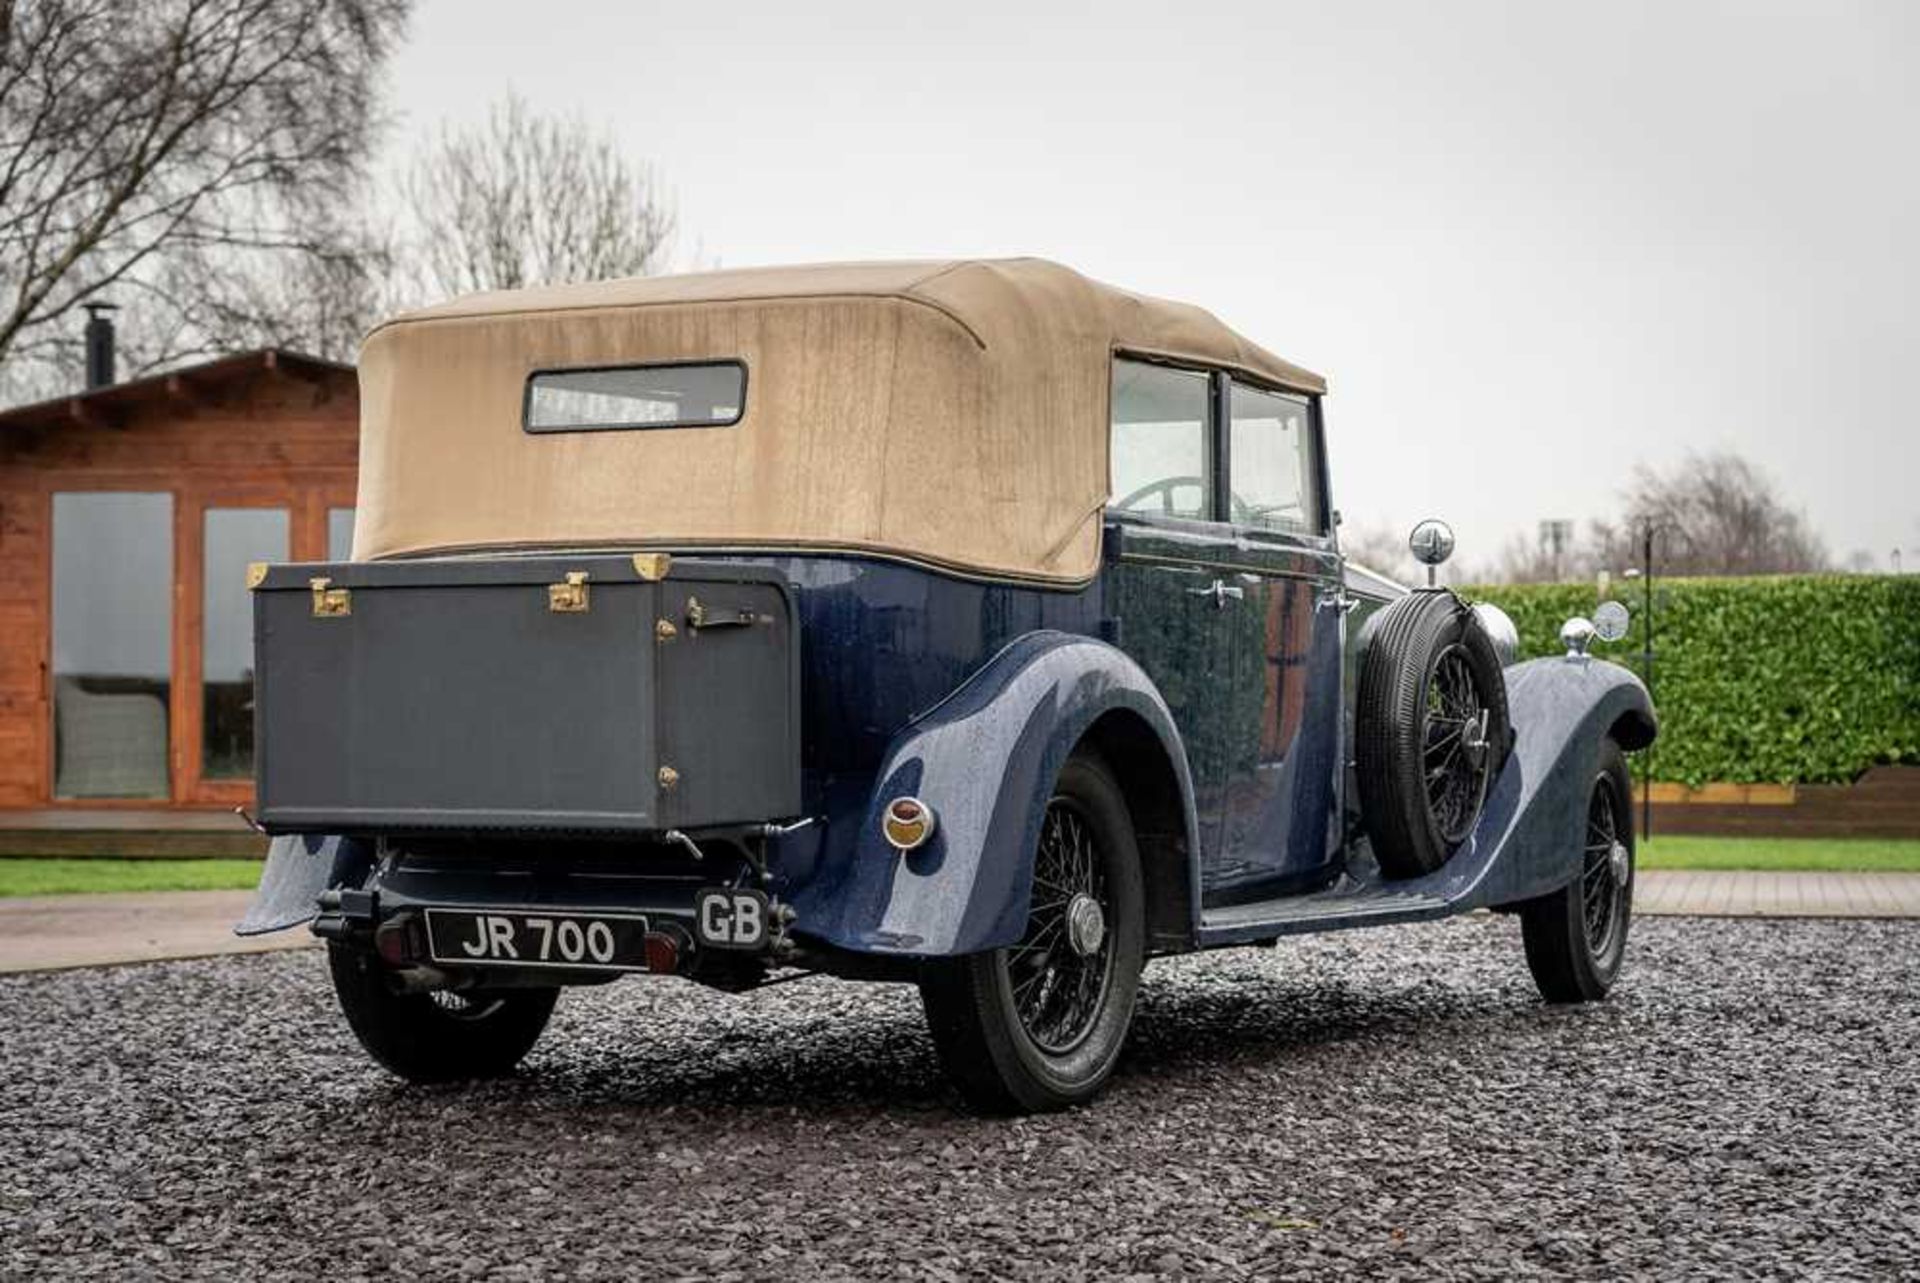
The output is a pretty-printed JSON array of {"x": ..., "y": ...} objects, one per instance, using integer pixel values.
[
  {"x": 298, "y": 868},
  {"x": 984, "y": 759},
  {"x": 1562, "y": 710}
]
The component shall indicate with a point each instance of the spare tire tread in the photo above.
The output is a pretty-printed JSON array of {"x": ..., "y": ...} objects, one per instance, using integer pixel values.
[{"x": 1388, "y": 719}]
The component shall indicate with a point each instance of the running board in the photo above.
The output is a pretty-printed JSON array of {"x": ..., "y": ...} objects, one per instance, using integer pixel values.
[
  {"x": 1346, "y": 903},
  {"x": 1360, "y": 897}
]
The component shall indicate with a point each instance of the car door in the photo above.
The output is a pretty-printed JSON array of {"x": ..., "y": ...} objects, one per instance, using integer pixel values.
[
  {"x": 1168, "y": 598},
  {"x": 1279, "y": 829}
]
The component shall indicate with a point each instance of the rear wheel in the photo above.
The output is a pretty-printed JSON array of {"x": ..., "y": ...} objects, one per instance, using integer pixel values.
[
  {"x": 441, "y": 1036},
  {"x": 1577, "y": 937},
  {"x": 1038, "y": 1025}
]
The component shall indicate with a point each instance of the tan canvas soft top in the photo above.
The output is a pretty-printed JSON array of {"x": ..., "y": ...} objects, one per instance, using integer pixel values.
[{"x": 951, "y": 413}]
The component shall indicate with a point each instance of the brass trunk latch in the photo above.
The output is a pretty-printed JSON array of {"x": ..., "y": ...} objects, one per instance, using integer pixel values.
[
  {"x": 700, "y": 616},
  {"x": 329, "y": 602},
  {"x": 569, "y": 598}
]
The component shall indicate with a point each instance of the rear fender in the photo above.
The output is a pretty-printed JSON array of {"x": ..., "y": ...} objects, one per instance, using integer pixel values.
[
  {"x": 984, "y": 760},
  {"x": 298, "y": 868}
]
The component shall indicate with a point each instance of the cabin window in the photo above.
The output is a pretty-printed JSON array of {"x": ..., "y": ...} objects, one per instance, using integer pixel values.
[
  {"x": 1160, "y": 460},
  {"x": 112, "y": 644},
  {"x": 340, "y": 534},
  {"x": 234, "y": 538},
  {"x": 708, "y": 394},
  {"x": 1270, "y": 455}
]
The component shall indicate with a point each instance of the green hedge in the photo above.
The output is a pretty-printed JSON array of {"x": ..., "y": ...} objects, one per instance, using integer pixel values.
[{"x": 1807, "y": 679}]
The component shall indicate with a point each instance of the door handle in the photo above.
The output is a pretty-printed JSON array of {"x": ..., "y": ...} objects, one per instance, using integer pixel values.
[
  {"x": 702, "y": 616},
  {"x": 1220, "y": 591}
]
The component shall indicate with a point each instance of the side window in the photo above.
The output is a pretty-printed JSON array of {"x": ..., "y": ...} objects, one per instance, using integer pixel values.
[
  {"x": 1161, "y": 459},
  {"x": 1271, "y": 460}
]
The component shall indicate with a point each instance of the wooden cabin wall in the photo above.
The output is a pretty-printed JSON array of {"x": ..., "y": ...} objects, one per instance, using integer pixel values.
[{"x": 272, "y": 439}]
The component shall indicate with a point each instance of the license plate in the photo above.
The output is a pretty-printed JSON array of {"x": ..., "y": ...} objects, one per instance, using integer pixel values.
[
  {"x": 730, "y": 918},
  {"x": 521, "y": 938}
]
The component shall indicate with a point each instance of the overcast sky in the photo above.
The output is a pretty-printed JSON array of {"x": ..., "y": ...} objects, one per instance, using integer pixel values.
[{"x": 1529, "y": 244}]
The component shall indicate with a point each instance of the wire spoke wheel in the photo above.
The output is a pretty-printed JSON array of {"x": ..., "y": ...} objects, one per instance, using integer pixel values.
[
  {"x": 441, "y": 1035},
  {"x": 1576, "y": 935},
  {"x": 460, "y": 1006},
  {"x": 1604, "y": 870},
  {"x": 1060, "y": 969},
  {"x": 1455, "y": 754}
]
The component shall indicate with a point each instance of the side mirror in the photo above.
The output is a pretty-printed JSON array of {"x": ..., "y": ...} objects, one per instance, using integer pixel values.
[
  {"x": 1609, "y": 624},
  {"x": 1610, "y": 621},
  {"x": 1431, "y": 543}
]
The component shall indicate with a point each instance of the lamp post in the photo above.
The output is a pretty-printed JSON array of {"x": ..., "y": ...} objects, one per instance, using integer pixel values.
[
  {"x": 1646, "y": 670},
  {"x": 1648, "y": 530}
]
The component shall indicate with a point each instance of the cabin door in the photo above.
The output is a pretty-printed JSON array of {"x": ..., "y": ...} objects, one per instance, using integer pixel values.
[{"x": 1280, "y": 803}]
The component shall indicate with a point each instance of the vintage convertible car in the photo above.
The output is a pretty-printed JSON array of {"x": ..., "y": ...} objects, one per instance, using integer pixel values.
[{"x": 972, "y": 624}]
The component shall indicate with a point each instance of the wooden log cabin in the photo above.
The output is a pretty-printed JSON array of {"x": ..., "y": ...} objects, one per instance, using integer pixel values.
[{"x": 128, "y": 515}]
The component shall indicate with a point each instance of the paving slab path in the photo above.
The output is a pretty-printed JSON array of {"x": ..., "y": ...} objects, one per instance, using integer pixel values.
[
  {"x": 1730, "y": 893},
  {"x": 46, "y": 933}
]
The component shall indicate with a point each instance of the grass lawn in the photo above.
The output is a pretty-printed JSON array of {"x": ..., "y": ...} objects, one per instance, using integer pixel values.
[
  {"x": 1849, "y": 855},
  {"x": 65, "y": 877},
  {"x": 29, "y": 876}
]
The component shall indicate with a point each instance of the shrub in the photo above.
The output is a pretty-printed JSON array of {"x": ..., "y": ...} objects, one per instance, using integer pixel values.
[{"x": 1804, "y": 679}]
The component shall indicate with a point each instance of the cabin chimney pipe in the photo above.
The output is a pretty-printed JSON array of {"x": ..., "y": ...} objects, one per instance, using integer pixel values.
[{"x": 99, "y": 345}]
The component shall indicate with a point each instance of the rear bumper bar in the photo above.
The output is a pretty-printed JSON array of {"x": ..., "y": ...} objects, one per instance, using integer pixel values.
[{"x": 388, "y": 914}]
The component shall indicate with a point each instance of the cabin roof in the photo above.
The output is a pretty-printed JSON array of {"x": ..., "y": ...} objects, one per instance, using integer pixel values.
[
  {"x": 988, "y": 298},
  {"x": 115, "y": 403}
]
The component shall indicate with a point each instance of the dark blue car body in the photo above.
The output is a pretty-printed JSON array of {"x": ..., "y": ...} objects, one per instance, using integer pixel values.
[
  {"x": 967, "y": 623},
  {"x": 1227, "y": 716},
  {"x": 1211, "y": 663}
]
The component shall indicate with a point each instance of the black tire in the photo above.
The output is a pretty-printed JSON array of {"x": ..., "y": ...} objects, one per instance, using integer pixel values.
[
  {"x": 1577, "y": 937},
  {"x": 435, "y": 1038},
  {"x": 1010, "y": 1048},
  {"x": 1430, "y": 679}
]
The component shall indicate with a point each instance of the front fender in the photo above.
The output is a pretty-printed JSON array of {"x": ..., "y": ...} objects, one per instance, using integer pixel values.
[
  {"x": 1535, "y": 819},
  {"x": 985, "y": 760}
]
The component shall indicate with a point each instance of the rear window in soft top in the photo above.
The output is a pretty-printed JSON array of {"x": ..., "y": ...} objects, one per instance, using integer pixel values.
[{"x": 688, "y": 394}]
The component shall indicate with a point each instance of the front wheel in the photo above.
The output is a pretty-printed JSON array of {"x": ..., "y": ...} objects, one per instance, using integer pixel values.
[
  {"x": 441, "y": 1036},
  {"x": 1577, "y": 936},
  {"x": 1038, "y": 1025}
]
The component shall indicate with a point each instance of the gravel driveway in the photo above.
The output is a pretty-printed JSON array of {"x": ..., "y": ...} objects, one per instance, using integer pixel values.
[{"x": 1387, "y": 1102}]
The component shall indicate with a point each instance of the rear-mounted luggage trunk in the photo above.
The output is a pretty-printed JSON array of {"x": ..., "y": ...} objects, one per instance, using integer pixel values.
[{"x": 587, "y": 694}]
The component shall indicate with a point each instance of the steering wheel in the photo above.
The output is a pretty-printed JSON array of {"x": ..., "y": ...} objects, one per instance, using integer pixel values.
[
  {"x": 1243, "y": 512},
  {"x": 1164, "y": 488}
]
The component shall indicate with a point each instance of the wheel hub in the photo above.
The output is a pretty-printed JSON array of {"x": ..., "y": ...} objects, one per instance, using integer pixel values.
[
  {"x": 1474, "y": 742},
  {"x": 1622, "y": 863},
  {"x": 1086, "y": 925}
]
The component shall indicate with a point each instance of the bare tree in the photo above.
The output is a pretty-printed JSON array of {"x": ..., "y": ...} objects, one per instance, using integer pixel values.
[
  {"x": 190, "y": 159},
  {"x": 1541, "y": 560},
  {"x": 531, "y": 200},
  {"x": 1716, "y": 514}
]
